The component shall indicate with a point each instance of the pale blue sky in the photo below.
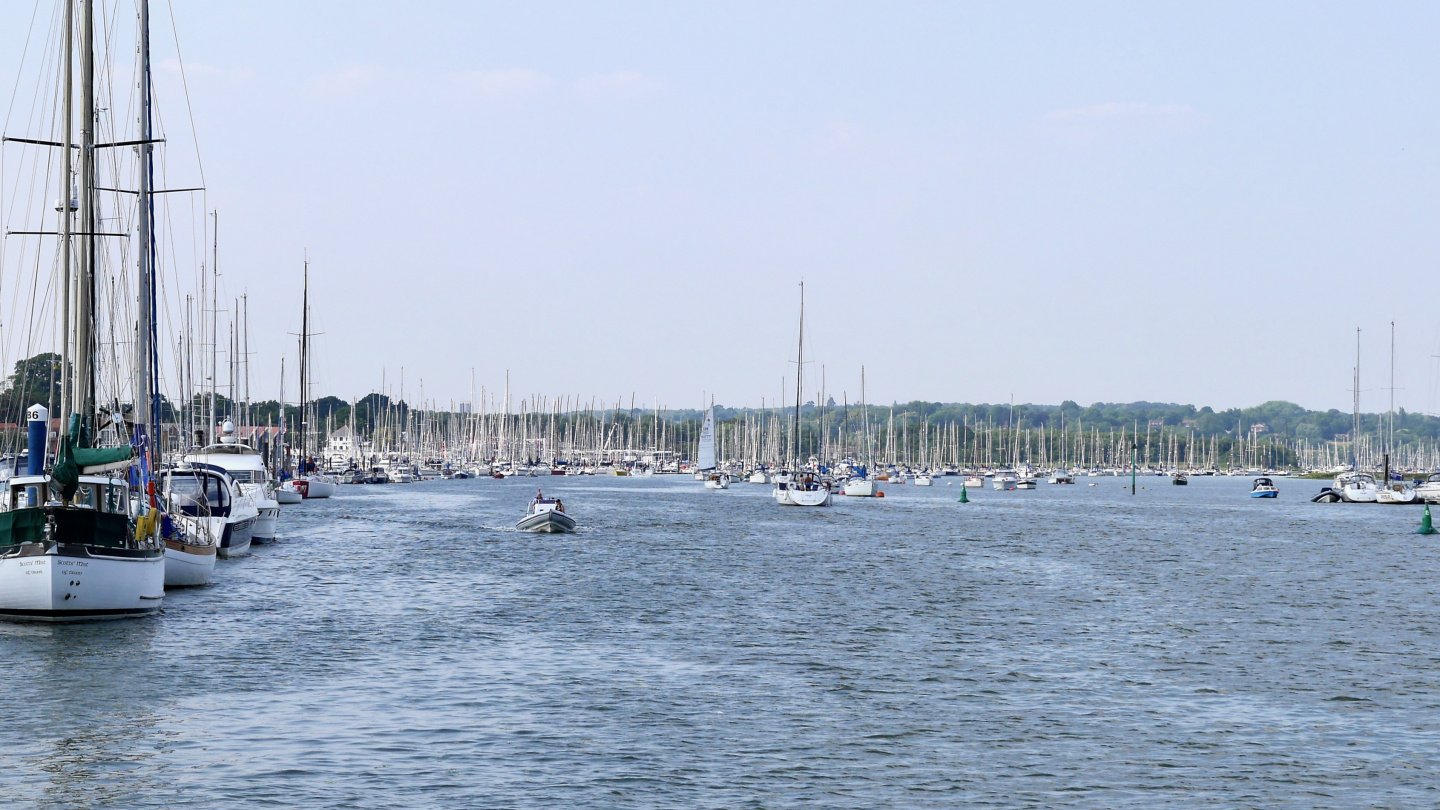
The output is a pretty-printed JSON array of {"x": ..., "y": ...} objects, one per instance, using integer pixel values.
[{"x": 1172, "y": 202}]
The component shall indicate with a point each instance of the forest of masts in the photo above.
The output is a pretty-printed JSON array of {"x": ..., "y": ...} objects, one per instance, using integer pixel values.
[{"x": 545, "y": 430}]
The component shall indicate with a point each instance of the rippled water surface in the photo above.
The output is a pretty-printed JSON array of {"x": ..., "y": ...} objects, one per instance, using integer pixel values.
[{"x": 1072, "y": 646}]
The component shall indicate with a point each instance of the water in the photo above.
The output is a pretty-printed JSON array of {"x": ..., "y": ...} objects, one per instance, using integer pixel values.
[{"x": 1068, "y": 647}]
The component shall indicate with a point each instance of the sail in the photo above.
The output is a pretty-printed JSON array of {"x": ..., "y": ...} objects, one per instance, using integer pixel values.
[
  {"x": 76, "y": 458},
  {"x": 707, "y": 441}
]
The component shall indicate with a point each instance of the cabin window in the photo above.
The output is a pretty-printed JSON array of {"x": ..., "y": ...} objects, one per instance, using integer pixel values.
[
  {"x": 116, "y": 499},
  {"x": 85, "y": 496},
  {"x": 23, "y": 497}
]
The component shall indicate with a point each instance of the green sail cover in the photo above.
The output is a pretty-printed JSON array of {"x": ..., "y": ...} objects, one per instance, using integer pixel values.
[{"x": 75, "y": 456}]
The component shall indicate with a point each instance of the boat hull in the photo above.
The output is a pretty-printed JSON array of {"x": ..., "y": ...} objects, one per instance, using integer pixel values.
[
  {"x": 236, "y": 538},
  {"x": 267, "y": 524},
  {"x": 318, "y": 488},
  {"x": 549, "y": 522},
  {"x": 80, "y": 583},
  {"x": 802, "y": 497},
  {"x": 856, "y": 488},
  {"x": 187, "y": 566},
  {"x": 1265, "y": 494}
]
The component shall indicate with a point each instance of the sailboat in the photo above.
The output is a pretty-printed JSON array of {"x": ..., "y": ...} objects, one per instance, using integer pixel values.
[
  {"x": 69, "y": 546},
  {"x": 311, "y": 483},
  {"x": 713, "y": 478},
  {"x": 861, "y": 485},
  {"x": 802, "y": 487}
]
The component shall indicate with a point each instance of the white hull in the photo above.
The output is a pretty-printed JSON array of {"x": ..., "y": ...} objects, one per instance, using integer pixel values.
[
  {"x": 50, "y": 587},
  {"x": 856, "y": 488},
  {"x": 284, "y": 495},
  {"x": 802, "y": 497},
  {"x": 320, "y": 487},
  {"x": 236, "y": 540},
  {"x": 924, "y": 481},
  {"x": 187, "y": 566},
  {"x": 268, "y": 523},
  {"x": 758, "y": 477}
]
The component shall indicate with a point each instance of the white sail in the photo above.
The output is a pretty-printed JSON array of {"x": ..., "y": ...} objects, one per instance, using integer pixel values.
[{"x": 707, "y": 440}]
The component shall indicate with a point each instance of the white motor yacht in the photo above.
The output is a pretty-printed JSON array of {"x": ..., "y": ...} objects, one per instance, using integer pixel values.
[
  {"x": 208, "y": 492},
  {"x": 1429, "y": 489},
  {"x": 247, "y": 469}
]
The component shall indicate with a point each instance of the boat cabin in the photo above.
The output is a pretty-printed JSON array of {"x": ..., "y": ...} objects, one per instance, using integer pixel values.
[
  {"x": 196, "y": 491},
  {"x": 31, "y": 511}
]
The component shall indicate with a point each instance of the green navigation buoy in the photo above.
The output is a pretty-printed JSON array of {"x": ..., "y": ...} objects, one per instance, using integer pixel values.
[
  {"x": 966, "y": 498},
  {"x": 1426, "y": 527}
]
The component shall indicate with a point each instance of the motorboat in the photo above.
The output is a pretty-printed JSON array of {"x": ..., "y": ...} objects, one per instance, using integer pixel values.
[
  {"x": 1061, "y": 477},
  {"x": 1026, "y": 483},
  {"x": 717, "y": 480},
  {"x": 287, "y": 494},
  {"x": 975, "y": 481},
  {"x": 1264, "y": 488},
  {"x": 209, "y": 492},
  {"x": 546, "y": 516},
  {"x": 316, "y": 486},
  {"x": 246, "y": 468},
  {"x": 924, "y": 480},
  {"x": 1005, "y": 480},
  {"x": 1429, "y": 489},
  {"x": 1356, "y": 487},
  {"x": 1179, "y": 479}
]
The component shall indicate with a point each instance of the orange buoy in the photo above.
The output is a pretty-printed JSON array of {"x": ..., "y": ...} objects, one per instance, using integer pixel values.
[{"x": 879, "y": 494}]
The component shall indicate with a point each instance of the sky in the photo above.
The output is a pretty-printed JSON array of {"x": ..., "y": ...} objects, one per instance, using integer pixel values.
[{"x": 1096, "y": 202}]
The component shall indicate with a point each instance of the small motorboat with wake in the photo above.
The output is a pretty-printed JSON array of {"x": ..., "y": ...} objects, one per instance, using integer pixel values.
[{"x": 546, "y": 515}]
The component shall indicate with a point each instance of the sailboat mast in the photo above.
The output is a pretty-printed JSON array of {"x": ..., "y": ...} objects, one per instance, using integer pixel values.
[
  {"x": 66, "y": 214},
  {"x": 799, "y": 374},
  {"x": 146, "y": 356},
  {"x": 304, "y": 360},
  {"x": 214, "y": 317},
  {"x": 85, "y": 303}
]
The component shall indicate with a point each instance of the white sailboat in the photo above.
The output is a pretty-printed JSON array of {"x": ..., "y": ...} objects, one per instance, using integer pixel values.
[
  {"x": 713, "y": 478},
  {"x": 801, "y": 487},
  {"x": 861, "y": 485},
  {"x": 74, "y": 543},
  {"x": 311, "y": 482}
]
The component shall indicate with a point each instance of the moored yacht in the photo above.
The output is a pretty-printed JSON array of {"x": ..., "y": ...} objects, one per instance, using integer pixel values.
[
  {"x": 1264, "y": 488},
  {"x": 1356, "y": 487},
  {"x": 69, "y": 549},
  {"x": 209, "y": 493},
  {"x": 247, "y": 470}
]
